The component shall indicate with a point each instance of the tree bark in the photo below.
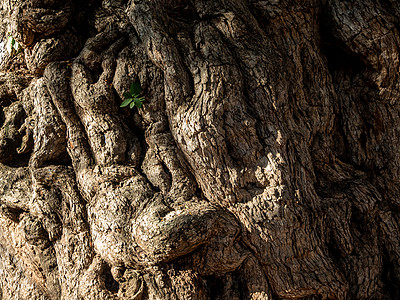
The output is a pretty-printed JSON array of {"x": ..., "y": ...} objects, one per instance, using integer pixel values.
[{"x": 264, "y": 163}]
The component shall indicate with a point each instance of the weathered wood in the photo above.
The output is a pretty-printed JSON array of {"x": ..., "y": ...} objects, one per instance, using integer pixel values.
[{"x": 264, "y": 163}]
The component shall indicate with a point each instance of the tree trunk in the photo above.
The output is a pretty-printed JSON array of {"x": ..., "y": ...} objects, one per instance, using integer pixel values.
[{"x": 264, "y": 163}]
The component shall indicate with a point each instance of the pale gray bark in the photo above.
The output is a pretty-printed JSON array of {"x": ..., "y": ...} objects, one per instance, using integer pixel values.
[{"x": 264, "y": 163}]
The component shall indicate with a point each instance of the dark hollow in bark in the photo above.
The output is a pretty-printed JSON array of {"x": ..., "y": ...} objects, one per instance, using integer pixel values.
[{"x": 264, "y": 163}]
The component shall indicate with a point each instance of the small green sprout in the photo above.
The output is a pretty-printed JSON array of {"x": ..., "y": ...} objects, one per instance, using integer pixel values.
[
  {"x": 132, "y": 97},
  {"x": 13, "y": 47}
]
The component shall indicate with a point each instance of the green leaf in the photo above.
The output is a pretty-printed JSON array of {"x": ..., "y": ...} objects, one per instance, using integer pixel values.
[
  {"x": 127, "y": 95},
  {"x": 138, "y": 102},
  {"x": 133, "y": 104},
  {"x": 126, "y": 102},
  {"x": 10, "y": 44},
  {"x": 135, "y": 88}
]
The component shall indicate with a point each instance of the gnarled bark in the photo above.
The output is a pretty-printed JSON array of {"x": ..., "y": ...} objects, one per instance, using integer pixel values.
[{"x": 263, "y": 164}]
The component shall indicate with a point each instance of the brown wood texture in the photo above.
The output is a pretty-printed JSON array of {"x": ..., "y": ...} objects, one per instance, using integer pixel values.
[{"x": 264, "y": 164}]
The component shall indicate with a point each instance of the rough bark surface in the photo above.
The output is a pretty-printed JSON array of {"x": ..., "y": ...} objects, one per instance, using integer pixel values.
[{"x": 264, "y": 164}]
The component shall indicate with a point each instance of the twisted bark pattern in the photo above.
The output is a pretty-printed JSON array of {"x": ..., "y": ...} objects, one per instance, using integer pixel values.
[{"x": 263, "y": 165}]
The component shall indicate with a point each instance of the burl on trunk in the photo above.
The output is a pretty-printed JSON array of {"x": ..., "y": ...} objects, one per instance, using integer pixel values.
[{"x": 264, "y": 163}]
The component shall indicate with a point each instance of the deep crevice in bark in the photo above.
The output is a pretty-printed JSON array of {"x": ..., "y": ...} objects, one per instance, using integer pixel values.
[{"x": 263, "y": 165}]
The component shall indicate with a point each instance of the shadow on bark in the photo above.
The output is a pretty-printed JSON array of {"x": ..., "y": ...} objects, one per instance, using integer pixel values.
[{"x": 263, "y": 164}]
